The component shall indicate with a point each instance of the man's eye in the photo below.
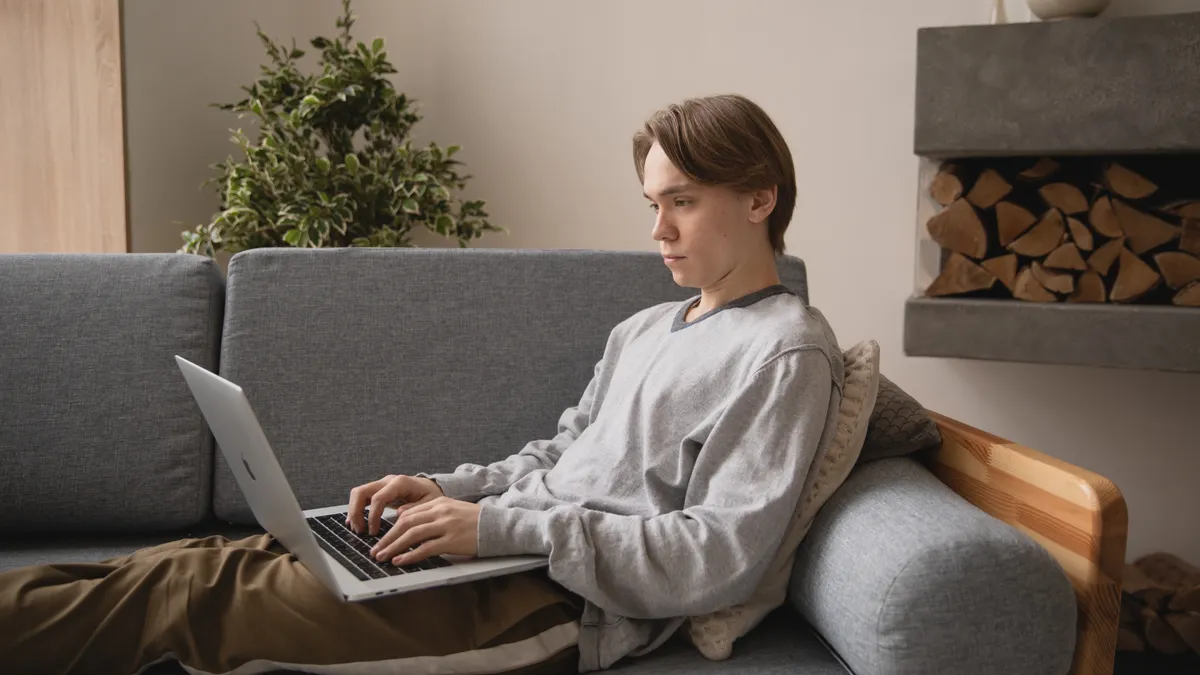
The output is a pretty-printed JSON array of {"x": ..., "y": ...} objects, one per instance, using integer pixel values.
[
  {"x": 654, "y": 207},
  {"x": 682, "y": 202}
]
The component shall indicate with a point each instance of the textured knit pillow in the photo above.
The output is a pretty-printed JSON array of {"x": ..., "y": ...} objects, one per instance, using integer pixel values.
[
  {"x": 714, "y": 634},
  {"x": 899, "y": 425}
]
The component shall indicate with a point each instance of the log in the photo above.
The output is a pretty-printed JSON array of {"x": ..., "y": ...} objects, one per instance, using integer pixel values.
[
  {"x": 1026, "y": 287},
  {"x": 1167, "y": 569},
  {"x": 1178, "y": 269},
  {"x": 1127, "y": 183},
  {"x": 1134, "y": 278},
  {"x": 1161, "y": 636},
  {"x": 1187, "y": 627},
  {"x": 1104, "y": 219},
  {"x": 1066, "y": 257},
  {"x": 1004, "y": 268},
  {"x": 1089, "y": 288},
  {"x": 1080, "y": 234},
  {"x": 1189, "y": 210},
  {"x": 989, "y": 188},
  {"x": 1059, "y": 282},
  {"x": 1104, "y": 257},
  {"x": 1190, "y": 239},
  {"x": 1189, "y": 296},
  {"x": 1012, "y": 221},
  {"x": 1129, "y": 641},
  {"x": 1064, "y": 196},
  {"x": 946, "y": 186},
  {"x": 1042, "y": 169},
  {"x": 1186, "y": 599},
  {"x": 960, "y": 275},
  {"x": 958, "y": 228},
  {"x": 1046, "y": 236},
  {"x": 1143, "y": 230}
]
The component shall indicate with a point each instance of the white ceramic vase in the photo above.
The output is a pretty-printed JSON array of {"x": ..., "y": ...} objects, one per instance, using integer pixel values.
[{"x": 1049, "y": 10}]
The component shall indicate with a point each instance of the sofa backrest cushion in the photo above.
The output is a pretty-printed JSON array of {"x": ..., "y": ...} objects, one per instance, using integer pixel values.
[
  {"x": 365, "y": 362},
  {"x": 98, "y": 430}
]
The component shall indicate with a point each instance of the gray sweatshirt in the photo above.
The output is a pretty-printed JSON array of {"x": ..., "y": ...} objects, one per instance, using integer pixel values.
[{"x": 667, "y": 489}]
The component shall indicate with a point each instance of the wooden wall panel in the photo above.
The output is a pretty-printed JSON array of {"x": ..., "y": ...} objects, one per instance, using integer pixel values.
[{"x": 62, "y": 141}]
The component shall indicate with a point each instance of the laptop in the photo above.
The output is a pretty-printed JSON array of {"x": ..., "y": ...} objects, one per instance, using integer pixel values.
[{"x": 319, "y": 537}]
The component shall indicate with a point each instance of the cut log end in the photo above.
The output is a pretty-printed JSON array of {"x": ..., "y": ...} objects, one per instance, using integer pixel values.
[
  {"x": 1178, "y": 269},
  {"x": 1043, "y": 168},
  {"x": 1026, "y": 287},
  {"x": 1046, "y": 236},
  {"x": 959, "y": 276},
  {"x": 958, "y": 228},
  {"x": 1127, "y": 183},
  {"x": 1134, "y": 278},
  {"x": 946, "y": 187},
  {"x": 1066, "y": 257},
  {"x": 1065, "y": 197},
  {"x": 1089, "y": 288},
  {"x": 1012, "y": 221},
  {"x": 1189, "y": 296},
  {"x": 989, "y": 188},
  {"x": 1144, "y": 231},
  {"x": 1004, "y": 268},
  {"x": 1080, "y": 234},
  {"x": 1104, "y": 219},
  {"x": 1189, "y": 240},
  {"x": 1059, "y": 282},
  {"x": 1103, "y": 258}
]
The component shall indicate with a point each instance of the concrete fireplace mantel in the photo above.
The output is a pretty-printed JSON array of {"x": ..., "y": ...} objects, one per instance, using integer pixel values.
[{"x": 1085, "y": 87}]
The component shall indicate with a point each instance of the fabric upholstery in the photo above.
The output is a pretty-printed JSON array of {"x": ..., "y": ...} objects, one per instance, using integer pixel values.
[
  {"x": 904, "y": 577},
  {"x": 899, "y": 425},
  {"x": 714, "y": 634},
  {"x": 98, "y": 430},
  {"x": 365, "y": 362}
]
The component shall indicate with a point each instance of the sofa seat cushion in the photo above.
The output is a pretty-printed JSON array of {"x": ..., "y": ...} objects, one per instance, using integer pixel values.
[{"x": 44, "y": 549}]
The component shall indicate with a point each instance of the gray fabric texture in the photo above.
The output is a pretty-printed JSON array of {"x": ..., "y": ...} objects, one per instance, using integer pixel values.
[
  {"x": 98, "y": 431},
  {"x": 364, "y": 362},
  {"x": 33, "y": 549},
  {"x": 904, "y": 577},
  {"x": 898, "y": 425},
  {"x": 669, "y": 487}
]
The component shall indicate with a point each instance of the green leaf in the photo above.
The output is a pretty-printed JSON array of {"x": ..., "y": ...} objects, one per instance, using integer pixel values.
[
  {"x": 292, "y": 237},
  {"x": 256, "y": 106},
  {"x": 452, "y": 149},
  {"x": 311, "y": 101},
  {"x": 445, "y": 224},
  {"x": 323, "y": 163},
  {"x": 377, "y": 45},
  {"x": 352, "y": 163},
  {"x": 420, "y": 178},
  {"x": 410, "y": 206}
]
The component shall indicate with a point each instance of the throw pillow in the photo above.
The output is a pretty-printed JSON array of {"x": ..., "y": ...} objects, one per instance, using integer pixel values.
[
  {"x": 899, "y": 425},
  {"x": 714, "y": 634}
]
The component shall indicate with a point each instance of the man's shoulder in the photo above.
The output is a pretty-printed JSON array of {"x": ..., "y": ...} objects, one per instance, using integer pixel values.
[{"x": 794, "y": 326}]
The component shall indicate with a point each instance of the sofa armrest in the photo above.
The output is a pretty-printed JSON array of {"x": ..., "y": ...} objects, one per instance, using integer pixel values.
[
  {"x": 902, "y": 576},
  {"x": 1078, "y": 516}
]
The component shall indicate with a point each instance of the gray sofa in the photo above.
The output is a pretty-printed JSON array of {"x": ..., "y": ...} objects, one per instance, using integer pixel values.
[{"x": 365, "y": 362}]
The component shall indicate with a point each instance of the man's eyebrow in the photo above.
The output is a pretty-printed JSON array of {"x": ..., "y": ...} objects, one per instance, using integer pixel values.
[{"x": 671, "y": 189}]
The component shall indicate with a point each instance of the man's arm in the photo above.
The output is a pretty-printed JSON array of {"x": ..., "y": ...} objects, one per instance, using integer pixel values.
[{"x": 743, "y": 492}]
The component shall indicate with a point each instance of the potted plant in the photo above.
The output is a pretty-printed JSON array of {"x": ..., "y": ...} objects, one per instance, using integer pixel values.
[{"x": 333, "y": 164}]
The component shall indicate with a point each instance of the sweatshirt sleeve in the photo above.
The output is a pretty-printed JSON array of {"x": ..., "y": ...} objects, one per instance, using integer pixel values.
[
  {"x": 743, "y": 490},
  {"x": 472, "y": 482}
]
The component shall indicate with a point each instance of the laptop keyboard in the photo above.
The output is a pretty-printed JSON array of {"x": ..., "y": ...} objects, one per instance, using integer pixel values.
[{"x": 353, "y": 551}]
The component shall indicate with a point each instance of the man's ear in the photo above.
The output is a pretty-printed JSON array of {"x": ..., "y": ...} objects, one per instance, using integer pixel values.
[{"x": 762, "y": 203}]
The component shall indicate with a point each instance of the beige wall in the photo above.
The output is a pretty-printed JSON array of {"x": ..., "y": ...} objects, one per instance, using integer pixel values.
[{"x": 544, "y": 95}]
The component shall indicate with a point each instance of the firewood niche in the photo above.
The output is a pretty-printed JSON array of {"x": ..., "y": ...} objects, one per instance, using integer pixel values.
[{"x": 1084, "y": 229}]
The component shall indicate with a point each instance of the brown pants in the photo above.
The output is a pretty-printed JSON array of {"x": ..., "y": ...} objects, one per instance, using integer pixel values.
[{"x": 248, "y": 606}]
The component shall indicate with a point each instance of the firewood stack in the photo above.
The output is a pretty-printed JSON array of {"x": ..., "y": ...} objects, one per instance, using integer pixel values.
[
  {"x": 1160, "y": 606},
  {"x": 1068, "y": 230}
]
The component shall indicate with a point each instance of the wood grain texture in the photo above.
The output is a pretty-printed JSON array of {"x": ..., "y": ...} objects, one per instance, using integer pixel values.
[
  {"x": 1078, "y": 516},
  {"x": 62, "y": 179}
]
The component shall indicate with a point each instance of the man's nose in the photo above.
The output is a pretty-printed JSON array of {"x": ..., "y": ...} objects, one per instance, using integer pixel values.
[{"x": 662, "y": 227}]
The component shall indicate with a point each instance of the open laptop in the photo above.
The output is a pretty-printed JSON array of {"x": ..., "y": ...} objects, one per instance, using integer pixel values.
[{"x": 319, "y": 537}]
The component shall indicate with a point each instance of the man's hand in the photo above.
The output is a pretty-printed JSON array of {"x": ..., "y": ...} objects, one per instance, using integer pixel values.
[
  {"x": 399, "y": 492},
  {"x": 442, "y": 525}
]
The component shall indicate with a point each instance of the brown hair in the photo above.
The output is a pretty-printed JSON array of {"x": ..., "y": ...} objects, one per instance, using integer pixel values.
[{"x": 725, "y": 140}]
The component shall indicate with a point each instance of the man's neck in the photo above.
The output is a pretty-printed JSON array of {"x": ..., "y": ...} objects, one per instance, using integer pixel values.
[{"x": 737, "y": 284}]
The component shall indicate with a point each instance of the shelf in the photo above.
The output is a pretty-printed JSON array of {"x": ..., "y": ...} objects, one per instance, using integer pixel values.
[
  {"x": 1083, "y": 86},
  {"x": 1146, "y": 337}
]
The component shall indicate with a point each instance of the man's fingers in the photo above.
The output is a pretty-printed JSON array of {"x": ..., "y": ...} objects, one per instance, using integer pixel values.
[
  {"x": 402, "y": 525},
  {"x": 429, "y": 548},
  {"x": 410, "y": 538}
]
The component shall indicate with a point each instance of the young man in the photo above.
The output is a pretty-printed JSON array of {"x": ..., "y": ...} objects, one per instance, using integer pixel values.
[{"x": 664, "y": 495}]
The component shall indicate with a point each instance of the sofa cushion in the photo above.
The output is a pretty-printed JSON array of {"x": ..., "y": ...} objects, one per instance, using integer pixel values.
[
  {"x": 98, "y": 430},
  {"x": 714, "y": 634},
  {"x": 905, "y": 577},
  {"x": 366, "y": 362},
  {"x": 899, "y": 425}
]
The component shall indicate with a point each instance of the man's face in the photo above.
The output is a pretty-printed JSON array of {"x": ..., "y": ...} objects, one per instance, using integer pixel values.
[{"x": 703, "y": 231}]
